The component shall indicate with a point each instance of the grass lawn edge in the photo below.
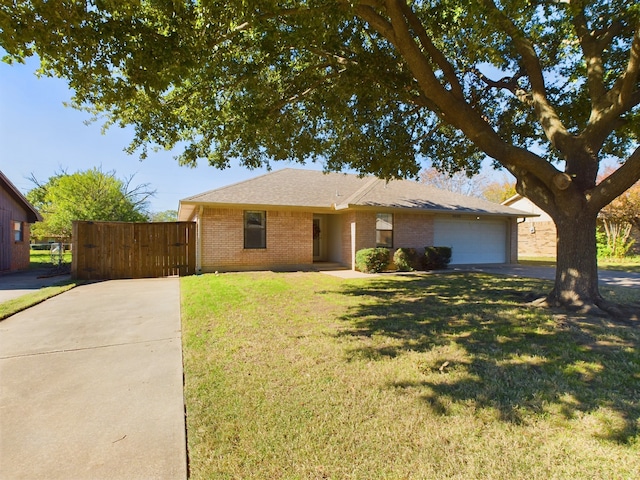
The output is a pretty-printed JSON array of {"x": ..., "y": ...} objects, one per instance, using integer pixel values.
[{"x": 28, "y": 300}]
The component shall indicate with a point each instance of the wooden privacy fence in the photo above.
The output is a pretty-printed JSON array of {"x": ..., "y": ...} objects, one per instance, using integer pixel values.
[{"x": 110, "y": 250}]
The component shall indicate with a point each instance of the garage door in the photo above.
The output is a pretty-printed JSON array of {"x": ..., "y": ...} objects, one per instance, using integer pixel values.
[{"x": 471, "y": 240}]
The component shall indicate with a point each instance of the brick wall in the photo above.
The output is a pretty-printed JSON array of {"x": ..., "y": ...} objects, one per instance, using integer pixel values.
[
  {"x": 289, "y": 241},
  {"x": 537, "y": 239},
  {"x": 412, "y": 230}
]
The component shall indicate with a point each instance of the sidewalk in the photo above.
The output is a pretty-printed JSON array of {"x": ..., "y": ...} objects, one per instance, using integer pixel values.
[
  {"x": 605, "y": 277},
  {"x": 91, "y": 385}
]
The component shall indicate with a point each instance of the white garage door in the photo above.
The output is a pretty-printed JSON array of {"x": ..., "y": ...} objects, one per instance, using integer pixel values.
[{"x": 472, "y": 241}]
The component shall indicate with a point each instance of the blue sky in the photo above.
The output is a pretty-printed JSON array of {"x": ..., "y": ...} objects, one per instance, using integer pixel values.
[{"x": 39, "y": 135}]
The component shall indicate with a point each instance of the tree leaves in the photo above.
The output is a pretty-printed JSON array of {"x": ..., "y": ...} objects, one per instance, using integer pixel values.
[{"x": 89, "y": 195}]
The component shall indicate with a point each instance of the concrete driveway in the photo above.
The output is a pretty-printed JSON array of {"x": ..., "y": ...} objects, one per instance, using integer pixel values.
[
  {"x": 91, "y": 385},
  {"x": 13, "y": 285}
]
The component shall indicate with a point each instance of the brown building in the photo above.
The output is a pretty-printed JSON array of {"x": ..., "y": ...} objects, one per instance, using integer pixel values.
[
  {"x": 16, "y": 215},
  {"x": 293, "y": 218}
]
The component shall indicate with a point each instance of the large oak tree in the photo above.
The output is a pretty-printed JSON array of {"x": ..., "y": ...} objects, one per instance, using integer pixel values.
[{"x": 548, "y": 89}]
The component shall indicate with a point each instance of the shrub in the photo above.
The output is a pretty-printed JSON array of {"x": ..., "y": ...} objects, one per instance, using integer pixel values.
[
  {"x": 436, "y": 258},
  {"x": 406, "y": 259},
  {"x": 372, "y": 260},
  {"x": 613, "y": 246}
]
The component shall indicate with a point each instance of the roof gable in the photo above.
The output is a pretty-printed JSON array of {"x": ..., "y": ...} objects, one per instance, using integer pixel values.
[
  {"x": 298, "y": 188},
  {"x": 32, "y": 214}
]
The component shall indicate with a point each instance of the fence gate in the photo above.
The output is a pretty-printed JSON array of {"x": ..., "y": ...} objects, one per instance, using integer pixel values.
[{"x": 110, "y": 250}]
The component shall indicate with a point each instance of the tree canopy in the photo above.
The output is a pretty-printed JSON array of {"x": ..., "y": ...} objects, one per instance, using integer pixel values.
[
  {"x": 458, "y": 182},
  {"x": 164, "y": 216},
  {"x": 499, "y": 190},
  {"x": 88, "y": 195},
  {"x": 546, "y": 89}
]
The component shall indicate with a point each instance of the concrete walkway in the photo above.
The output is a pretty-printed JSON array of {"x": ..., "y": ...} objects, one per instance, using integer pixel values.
[{"x": 91, "y": 385}]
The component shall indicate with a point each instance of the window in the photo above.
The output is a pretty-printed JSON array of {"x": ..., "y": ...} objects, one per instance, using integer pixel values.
[
  {"x": 18, "y": 233},
  {"x": 384, "y": 230},
  {"x": 255, "y": 229}
]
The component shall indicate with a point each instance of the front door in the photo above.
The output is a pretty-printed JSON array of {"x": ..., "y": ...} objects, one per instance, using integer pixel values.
[{"x": 317, "y": 239}]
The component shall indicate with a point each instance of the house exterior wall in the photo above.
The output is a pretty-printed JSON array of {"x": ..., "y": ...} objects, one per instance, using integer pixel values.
[
  {"x": 536, "y": 235},
  {"x": 13, "y": 255},
  {"x": 514, "y": 239},
  {"x": 412, "y": 231},
  {"x": 289, "y": 242},
  {"x": 537, "y": 239},
  {"x": 289, "y": 239}
]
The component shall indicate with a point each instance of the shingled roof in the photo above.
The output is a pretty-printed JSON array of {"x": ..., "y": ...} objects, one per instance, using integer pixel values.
[{"x": 319, "y": 191}]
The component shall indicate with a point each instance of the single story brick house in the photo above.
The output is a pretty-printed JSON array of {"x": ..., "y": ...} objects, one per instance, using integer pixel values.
[
  {"x": 536, "y": 233},
  {"x": 292, "y": 218},
  {"x": 16, "y": 215}
]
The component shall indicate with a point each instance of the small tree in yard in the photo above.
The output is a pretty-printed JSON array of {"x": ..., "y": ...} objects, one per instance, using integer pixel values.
[
  {"x": 546, "y": 89},
  {"x": 617, "y": 220},
  {"x": 89, "y": 195}
]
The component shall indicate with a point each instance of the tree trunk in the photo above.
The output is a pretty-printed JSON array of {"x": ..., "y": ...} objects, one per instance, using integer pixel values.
[{"x": 576, "y": 284}]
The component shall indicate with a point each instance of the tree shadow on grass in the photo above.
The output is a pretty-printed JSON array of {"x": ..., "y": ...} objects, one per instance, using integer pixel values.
[{"x": 478, "y": 344}]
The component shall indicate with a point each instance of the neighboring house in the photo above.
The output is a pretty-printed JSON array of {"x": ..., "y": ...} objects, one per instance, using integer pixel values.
[
  {"x": 536, "y": 234},
  {"x": 291, "y": 218},
  {"x": 16, "y": 214}
]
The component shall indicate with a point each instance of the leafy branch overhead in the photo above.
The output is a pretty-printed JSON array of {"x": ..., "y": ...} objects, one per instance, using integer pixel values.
[{"x": 546, "y": 89}]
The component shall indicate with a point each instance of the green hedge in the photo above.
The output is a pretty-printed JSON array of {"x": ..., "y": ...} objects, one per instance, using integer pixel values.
[
  {"x": 372, "y": 260},
  {"x": 407, "y": 259},
  {"x": 436, "y": 258}
]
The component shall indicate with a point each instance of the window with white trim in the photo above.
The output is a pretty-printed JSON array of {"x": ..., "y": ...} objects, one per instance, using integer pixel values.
[{"x": 18, "y": 232}]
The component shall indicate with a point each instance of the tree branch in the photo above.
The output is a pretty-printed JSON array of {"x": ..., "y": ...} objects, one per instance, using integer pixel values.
[
  {"x": 617, "y": 183},
  {"x": 377, "y": 22},
  {"x": 630, "y": 77},
  {"x": 553, "y": 127},
  {"x": 592, "y": 51},
  {"x": 623, "y": 96},
  {"x": 435, "y": 54},
  {"x": 506, "y": 83}
]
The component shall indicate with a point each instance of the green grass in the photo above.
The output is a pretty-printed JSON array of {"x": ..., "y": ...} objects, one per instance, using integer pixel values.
[
  {"x": 303, "y": 375},
  {"x": 626, "y": 264},
  {"x": 43, "y": 259},
  {"x": 13, "y": 306}
]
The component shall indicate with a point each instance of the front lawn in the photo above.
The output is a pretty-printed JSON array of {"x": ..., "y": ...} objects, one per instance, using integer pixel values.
[{"x": 447, "y": 376}]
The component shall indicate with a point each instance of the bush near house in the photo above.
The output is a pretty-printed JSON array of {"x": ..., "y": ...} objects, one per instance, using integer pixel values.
[
  {"x": 372, "y": 260},
  {"x": 436, "y": 258},
  {"x": 407, "y": 259}
]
